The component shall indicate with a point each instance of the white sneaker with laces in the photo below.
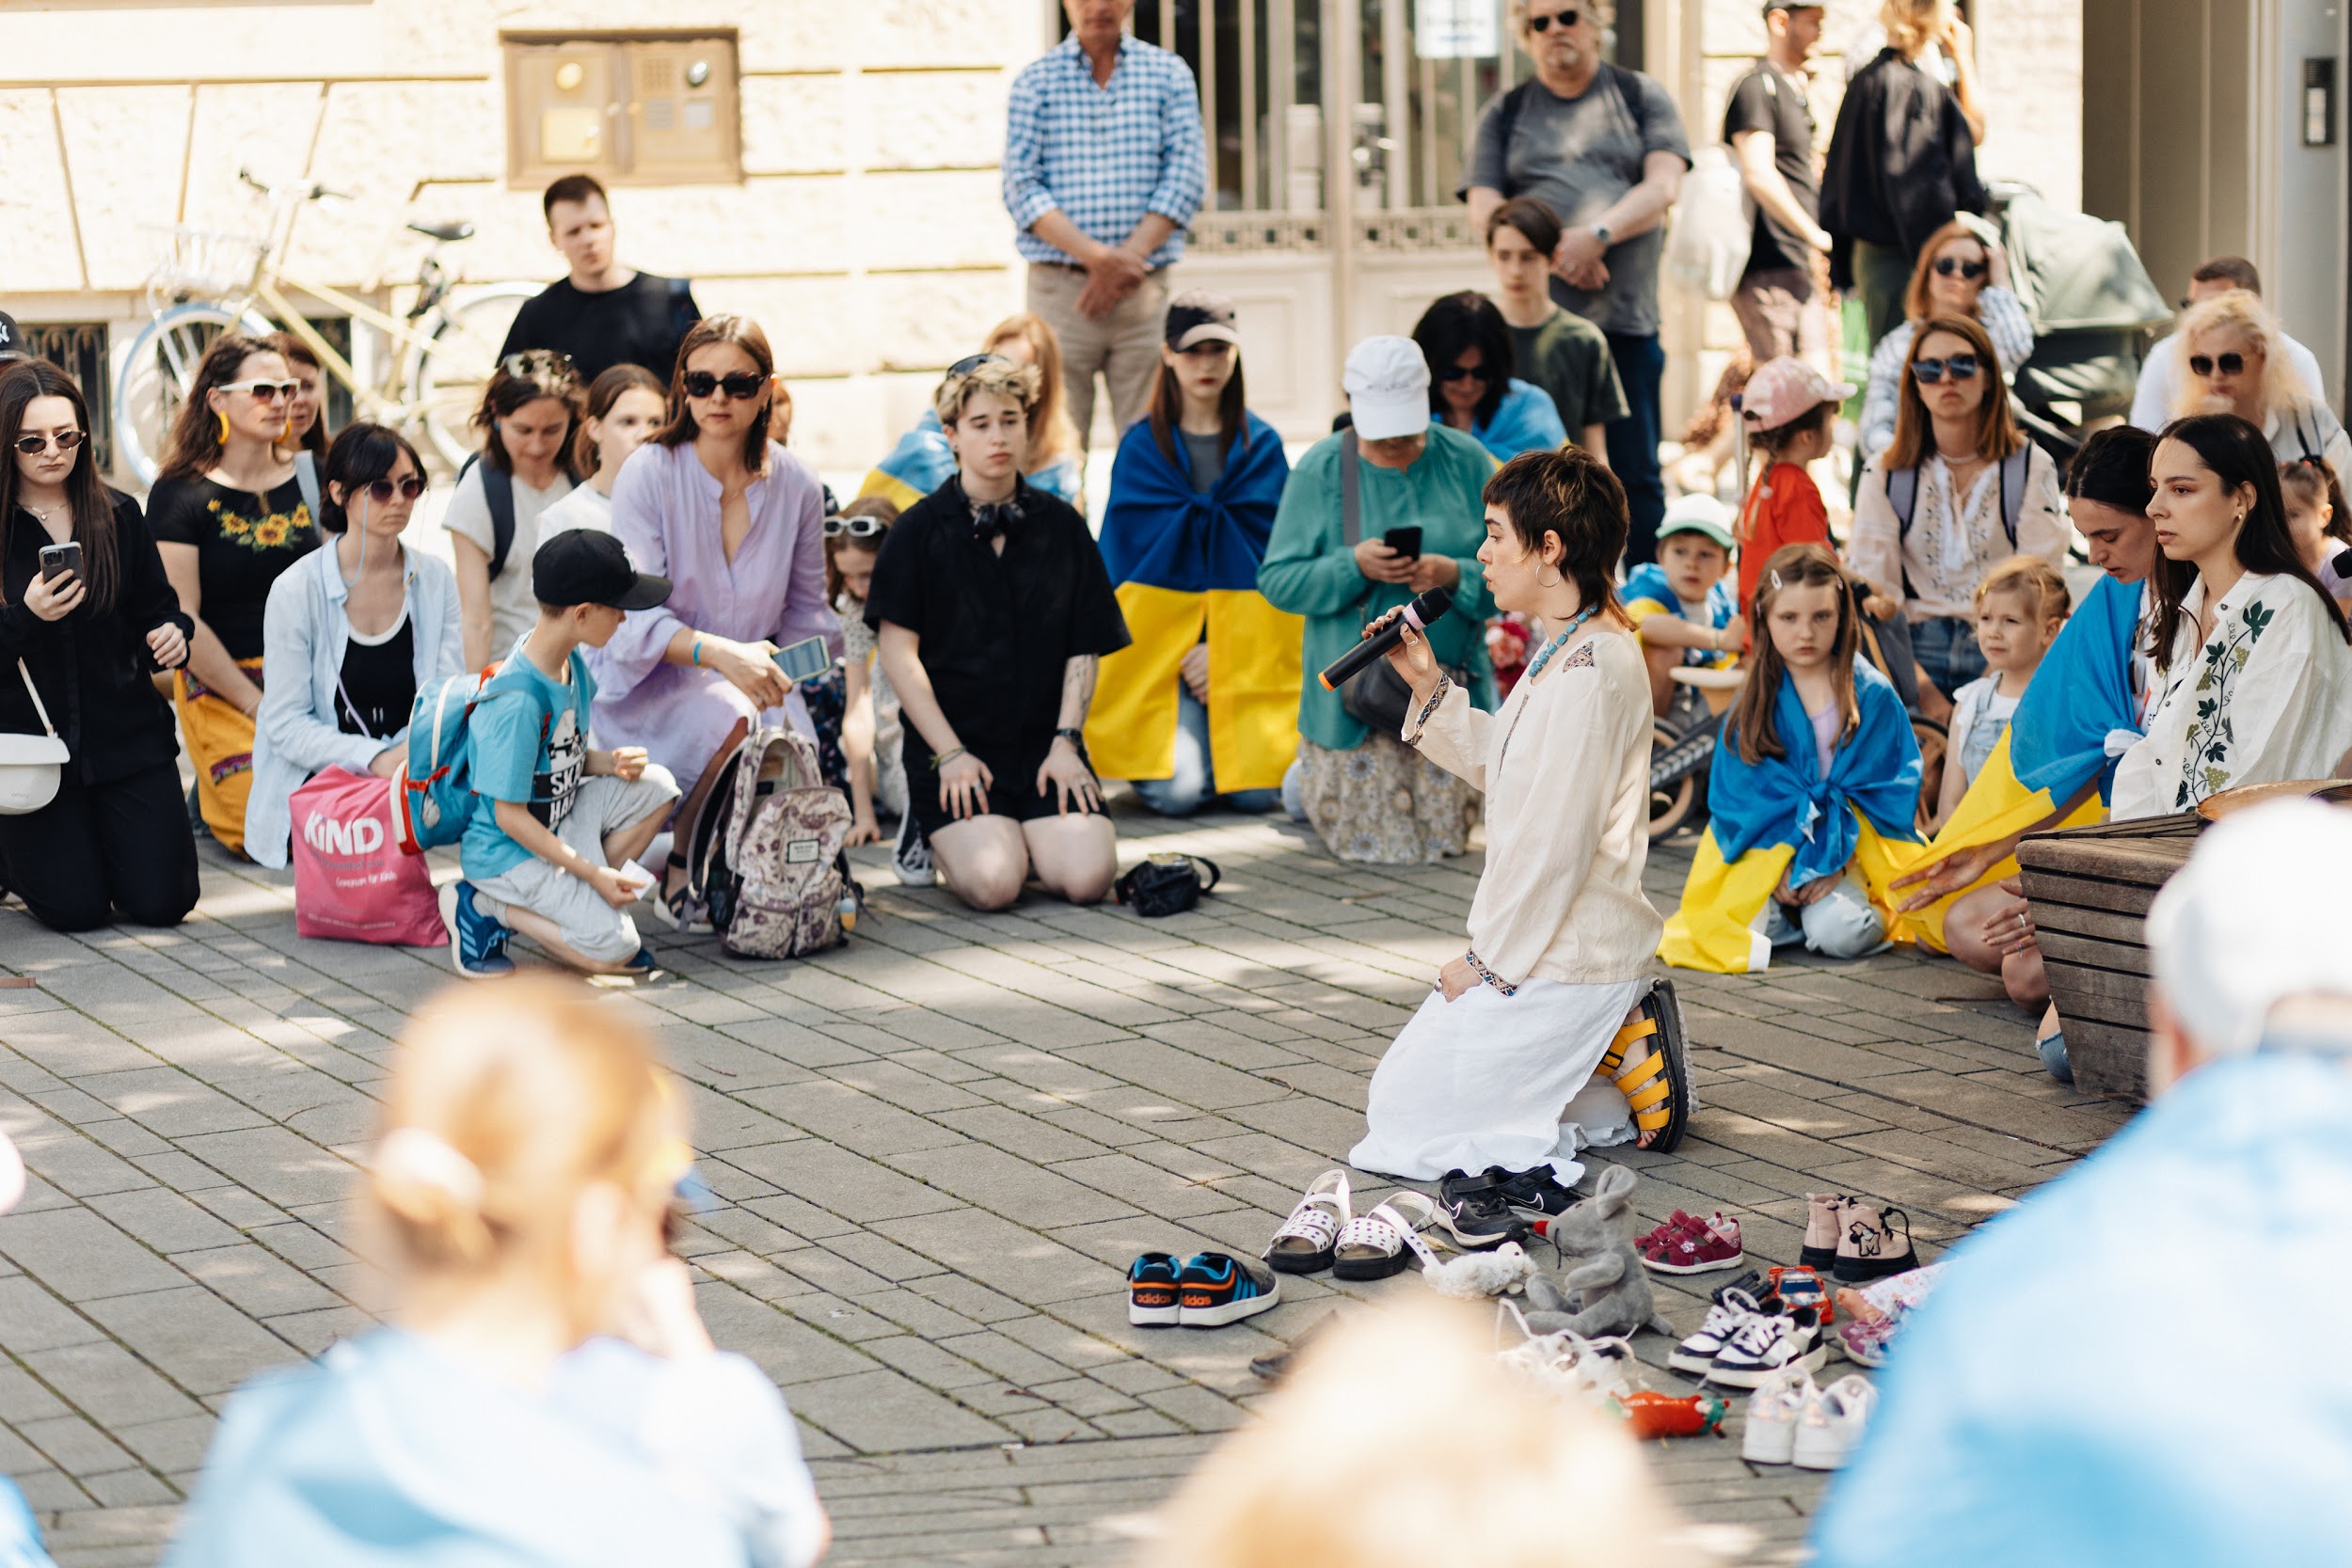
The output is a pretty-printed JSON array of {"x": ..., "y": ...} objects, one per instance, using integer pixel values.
[
  {"x": 1773, "y": 1414},
  {"x": 1833, "y": 1424},
  {"x": 911, "y": 856},
  {"x": 1723, "y": 1320}
]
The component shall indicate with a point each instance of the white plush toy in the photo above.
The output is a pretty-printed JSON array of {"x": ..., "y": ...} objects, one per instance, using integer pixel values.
[{"x": 1476, "y": 1276}]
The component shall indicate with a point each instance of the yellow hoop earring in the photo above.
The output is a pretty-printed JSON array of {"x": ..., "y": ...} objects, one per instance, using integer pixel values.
[{"x": 222, "y": 415}]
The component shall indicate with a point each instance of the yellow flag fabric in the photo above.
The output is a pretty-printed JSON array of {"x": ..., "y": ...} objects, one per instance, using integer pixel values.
[
  {"x": 1719, "y": 925},
  {"x": 1995, "y": 806},
  {"x": 1254, "y": 676}
]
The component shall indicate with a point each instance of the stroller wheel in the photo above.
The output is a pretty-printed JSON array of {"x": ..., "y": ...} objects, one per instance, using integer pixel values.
[{"x": 1681, "y": 802}]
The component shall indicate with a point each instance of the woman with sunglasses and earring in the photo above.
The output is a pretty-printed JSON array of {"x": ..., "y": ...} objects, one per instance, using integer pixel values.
[
  {"x": 230, "y": 516},
  {"x": 2237, "y": 364},
  {"x": 1959, "y": 491},
  {"x": 1963, "y": 271},
  {"x": 80, "y": 638},
  {"x": 349, "y": 636},
  {"x": 738, "y": 526}
]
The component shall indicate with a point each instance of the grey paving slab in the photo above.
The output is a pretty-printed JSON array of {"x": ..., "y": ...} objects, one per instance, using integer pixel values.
[{"x": 930, "y": 1156}]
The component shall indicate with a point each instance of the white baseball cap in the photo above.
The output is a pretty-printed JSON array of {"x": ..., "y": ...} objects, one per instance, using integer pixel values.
[
  {"x": 1387, "y": 382},
  {"x": 2253, "y": 920}
]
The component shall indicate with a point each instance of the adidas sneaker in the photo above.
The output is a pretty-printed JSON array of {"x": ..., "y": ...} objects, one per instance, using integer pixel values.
[{"x": 1217, "y": 1288}]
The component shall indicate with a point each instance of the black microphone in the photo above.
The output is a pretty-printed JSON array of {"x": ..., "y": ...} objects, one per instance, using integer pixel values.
[{"x": 1420, "y": 613}]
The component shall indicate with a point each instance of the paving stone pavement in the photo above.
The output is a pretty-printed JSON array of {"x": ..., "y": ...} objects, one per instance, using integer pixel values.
[{"x": 931, "y": 1154}]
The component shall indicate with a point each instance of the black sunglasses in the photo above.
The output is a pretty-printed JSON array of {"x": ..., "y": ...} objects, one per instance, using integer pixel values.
[
  {"x": 382, "y": 490},
  {"x": 743, "y": 385},
  {"x": 2205, "y": 364},
  {"x": 1458, "y": 372},
  {"x": 971, "y": 362},
  {"x": 33, "y": 446},
  {"x": 1948, "y": 265},
  {"x": 1962, "y": 366},
  {"x": 855, "y": 528},
  {"x": 1542, "y": 24}
]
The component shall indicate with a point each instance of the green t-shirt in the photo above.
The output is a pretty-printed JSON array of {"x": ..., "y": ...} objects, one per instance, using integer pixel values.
[
  {"x": 1309, "y": 570},
  {"x": 1568, "y": 357}
]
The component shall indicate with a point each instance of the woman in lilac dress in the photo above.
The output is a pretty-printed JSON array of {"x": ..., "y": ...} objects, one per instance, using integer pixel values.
[{"x": 737, "y": 524}]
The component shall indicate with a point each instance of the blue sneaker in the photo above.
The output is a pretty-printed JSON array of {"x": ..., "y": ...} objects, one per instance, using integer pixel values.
[
  {"x": 477, "y": 944},
  {"x": 640, "y": 966},
  {"x": 1215, "y": 1290}
]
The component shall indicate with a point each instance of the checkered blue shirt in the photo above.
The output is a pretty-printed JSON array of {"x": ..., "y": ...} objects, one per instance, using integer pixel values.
[{"x": 1105, "y": 155}]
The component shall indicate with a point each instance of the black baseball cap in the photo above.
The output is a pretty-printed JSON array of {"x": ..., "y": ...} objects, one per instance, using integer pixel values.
[
  {"x": 581, "y": 566},
  {"x": 13, "y": 344},
  {"x": 1197, "y": 316}
]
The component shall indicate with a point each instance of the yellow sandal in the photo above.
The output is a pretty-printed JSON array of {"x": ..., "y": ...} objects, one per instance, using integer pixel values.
[{"x": 1657, "y": 1084}]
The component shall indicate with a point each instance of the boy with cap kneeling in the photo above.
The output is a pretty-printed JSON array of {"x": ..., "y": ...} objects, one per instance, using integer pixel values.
[{"x": 548, "y": 849}]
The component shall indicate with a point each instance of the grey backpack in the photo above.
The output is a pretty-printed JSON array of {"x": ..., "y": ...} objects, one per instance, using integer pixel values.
[{"x": 775, "y": 872}]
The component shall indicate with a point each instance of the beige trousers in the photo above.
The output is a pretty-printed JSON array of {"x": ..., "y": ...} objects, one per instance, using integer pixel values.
[{"x": 1123, "y": 348}]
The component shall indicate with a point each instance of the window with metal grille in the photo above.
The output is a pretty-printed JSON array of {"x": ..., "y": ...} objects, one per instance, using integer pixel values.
[
  {"x": 630, "y": 108},
  {"x": 79, "y": 349}
]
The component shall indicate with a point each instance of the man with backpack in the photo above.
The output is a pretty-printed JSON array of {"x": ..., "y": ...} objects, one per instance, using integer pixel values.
[
  {"x": 1604, "y": 148},
  {"x": 554, "y": 825}
]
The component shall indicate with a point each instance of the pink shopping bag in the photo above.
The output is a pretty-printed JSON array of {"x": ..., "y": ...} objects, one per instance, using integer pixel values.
[{"x": 351, "y": 881}]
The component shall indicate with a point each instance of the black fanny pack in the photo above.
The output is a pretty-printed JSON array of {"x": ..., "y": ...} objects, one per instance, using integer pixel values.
[{"x": 1166, "y": 884}]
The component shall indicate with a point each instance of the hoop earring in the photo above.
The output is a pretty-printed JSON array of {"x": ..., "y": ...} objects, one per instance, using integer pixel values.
[
  {"x": 222, "y": 415},
  {"x": 1556, "y": 580}
]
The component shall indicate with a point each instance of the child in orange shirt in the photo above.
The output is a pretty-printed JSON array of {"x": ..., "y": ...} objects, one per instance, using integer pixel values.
[{"x": 1788, "y": 410}]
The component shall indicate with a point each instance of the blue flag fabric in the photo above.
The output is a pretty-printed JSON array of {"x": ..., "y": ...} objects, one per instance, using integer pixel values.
[
  {"x": 1526, "y": 420},
  {"x": 1156, "y": 531},
  {"x": 2082, "y": 693},
  {"x": 922, "y": 460},
  {"x": 1647, "y": 582},
  {"x": 1787, "y": 800}
]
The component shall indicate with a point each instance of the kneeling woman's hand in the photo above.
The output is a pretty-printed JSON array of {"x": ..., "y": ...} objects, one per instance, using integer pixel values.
[
  {"x": 1456, "y": 977},
  {"x": 1072, "y": 779},
  {"x": 1411, "y": 657},
  {"x": 964, "y": 781}
]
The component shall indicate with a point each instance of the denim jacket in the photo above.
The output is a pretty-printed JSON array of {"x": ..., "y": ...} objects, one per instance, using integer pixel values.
[{"x": 304, "y": 633}]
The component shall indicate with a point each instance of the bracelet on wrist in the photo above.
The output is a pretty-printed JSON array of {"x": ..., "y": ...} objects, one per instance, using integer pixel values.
[
  {"x": 695, "y": 654},
  {"x": 941, "y": 759}
]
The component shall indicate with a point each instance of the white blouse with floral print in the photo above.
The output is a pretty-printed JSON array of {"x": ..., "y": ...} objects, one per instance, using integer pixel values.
[{"x": 2266, "y": 698}]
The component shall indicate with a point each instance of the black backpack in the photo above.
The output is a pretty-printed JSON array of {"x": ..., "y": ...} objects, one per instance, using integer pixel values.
[
  {"x": 498, "y": 488},
  {"x": 1516, "y": 100}
]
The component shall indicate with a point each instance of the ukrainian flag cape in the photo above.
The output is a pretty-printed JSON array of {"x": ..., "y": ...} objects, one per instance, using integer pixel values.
[
  {"x": 1780, "y": 816},
  {"x": 922, "y": 460},
  {"x": 1525, "y": 420},
  {"x": 2056, "y": 743},
  {"x": 1646, "y": 593},
  {"x": 1183, "y": 564}
]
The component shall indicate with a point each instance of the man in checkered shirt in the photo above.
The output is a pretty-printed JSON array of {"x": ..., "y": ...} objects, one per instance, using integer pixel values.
[{"x": 1104, "y": 163}]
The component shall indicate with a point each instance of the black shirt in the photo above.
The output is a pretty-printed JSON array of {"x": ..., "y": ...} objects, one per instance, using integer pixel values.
[
  {"x": 1901, "y": 162},
  {"x": 1769, "y": 100},
  {"x": 380, "y": 681},
  {"x": 91, "y": 668},
  {"x": 640, "y": 322},
  {"x": 243, "y": 541},
  {"x": 997, "y": 631}
]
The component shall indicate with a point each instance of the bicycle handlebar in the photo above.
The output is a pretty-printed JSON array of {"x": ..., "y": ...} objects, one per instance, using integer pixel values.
[{"x": 313, "y": 192}]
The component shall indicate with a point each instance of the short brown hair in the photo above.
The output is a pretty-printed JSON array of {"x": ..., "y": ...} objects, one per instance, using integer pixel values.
[
  {"x": 572, "y": 187},
  {"x": 1536, "y": 222},
  {"x": 2236, "y": 271},
  {"x": 1573, "y": 495}
]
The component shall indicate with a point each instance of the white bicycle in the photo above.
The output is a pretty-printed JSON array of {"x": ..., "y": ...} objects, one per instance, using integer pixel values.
[{"x": 435, "y": 356}]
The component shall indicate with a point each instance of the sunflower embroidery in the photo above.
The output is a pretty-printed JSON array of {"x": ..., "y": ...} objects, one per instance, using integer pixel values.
[{"x": 271, "y": 532}]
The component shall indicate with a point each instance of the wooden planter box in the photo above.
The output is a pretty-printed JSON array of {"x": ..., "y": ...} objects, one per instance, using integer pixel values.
[{"x": 2089, "y": 889}]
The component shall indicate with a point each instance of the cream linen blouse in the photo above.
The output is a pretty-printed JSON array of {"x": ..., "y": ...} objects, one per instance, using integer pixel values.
[{"x": 1565, "y": 769}]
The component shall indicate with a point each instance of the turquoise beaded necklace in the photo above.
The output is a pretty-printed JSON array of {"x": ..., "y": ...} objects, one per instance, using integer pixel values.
[{"x": 1558, "y": 642}]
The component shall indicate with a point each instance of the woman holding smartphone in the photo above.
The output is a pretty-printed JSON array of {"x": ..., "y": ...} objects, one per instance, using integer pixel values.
[
  {"x": 738, "y": 526},
  {"x": 81, "y": 634}
]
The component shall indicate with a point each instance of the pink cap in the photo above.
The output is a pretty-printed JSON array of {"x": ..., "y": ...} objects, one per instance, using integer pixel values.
[{"x": 1785, "y": 388}]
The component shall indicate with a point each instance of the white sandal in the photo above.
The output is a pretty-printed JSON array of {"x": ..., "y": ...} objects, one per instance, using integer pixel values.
[
  {"x": 1374, "y": 1245},
  {"x": 1307, "y": 1241}
]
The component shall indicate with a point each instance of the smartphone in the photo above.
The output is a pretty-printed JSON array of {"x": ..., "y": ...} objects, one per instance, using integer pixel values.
[
  {"x": 58, "y": 560},
  {"x": 804, "y": 661},
  {"x": 1403, "y": 541}
]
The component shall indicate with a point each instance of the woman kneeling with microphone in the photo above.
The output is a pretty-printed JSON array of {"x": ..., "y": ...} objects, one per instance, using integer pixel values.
[{"x": 1510, "y": 1059}]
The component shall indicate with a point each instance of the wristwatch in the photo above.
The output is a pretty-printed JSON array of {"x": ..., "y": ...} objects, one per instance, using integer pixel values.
[
  {"x": 1602, "y": 232},
  {"x": 1075, "y": 737}
]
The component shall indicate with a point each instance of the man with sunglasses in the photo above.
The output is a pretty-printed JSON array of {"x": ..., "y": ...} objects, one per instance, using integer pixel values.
[
  {"x": 1605, "y": 150},
  {"x": 604, "y": 313},
  {"x": 2162, "y": 372}
]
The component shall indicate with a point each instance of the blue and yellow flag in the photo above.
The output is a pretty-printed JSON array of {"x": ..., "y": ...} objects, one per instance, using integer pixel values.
[
  {"x": 1185, "y": 566},
  {"x": 1646, "y": 593},
  {"x": 922, "y": 460}
]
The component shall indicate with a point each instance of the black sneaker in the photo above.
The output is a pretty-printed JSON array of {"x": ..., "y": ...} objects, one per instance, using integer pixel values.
[
  {"x": 1752, "y": 1285},
  {"x": 1538, "y": 1190},
  {"x": 1456, "y": 1184},
  {"x": 1482, "y": 1217},
  {"x": 911, "y": 859}
]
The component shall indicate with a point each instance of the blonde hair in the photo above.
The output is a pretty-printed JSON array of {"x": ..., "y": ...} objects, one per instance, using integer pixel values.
[
  {"x": 1052, "y": 435},
  {"x": 989, "y": 378},
  {"x": 1912, "y": 25},
  {"x": 2033, "y": 579},
  {"x": 2237, "y": 310},
  {"x": 506, "y": 1107},
  {"x": 1479, "y": 1466}
]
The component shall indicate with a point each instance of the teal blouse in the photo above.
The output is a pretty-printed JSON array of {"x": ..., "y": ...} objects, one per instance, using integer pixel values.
[{"x": 1309, "y": 570}]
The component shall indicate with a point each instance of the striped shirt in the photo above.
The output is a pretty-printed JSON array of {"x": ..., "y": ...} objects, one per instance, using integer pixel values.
[{"x": 1104, "y": 155}]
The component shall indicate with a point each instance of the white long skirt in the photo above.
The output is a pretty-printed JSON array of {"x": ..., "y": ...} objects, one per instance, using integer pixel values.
[{"x": 1494, "y": 1080}]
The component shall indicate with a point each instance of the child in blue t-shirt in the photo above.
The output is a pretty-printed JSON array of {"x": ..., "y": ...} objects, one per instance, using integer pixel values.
[
  {"x": 1682, "y": 604},
  {"x": 556, "y": 824}
]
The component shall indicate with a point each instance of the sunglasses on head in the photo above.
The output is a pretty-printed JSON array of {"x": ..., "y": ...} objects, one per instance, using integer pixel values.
[
  {"x": 1461, "y": 372},
  {"x": 64, "y": 440},
  {"x": 2205, "y": 364},
  {"x": 971, "y": 362},
  {"x": 265, "y": 391},
  {"x": 743, "y": 385},
  {"x": 535, "y": 361},
  {"x": 383, "y": 490},
  {"x": 1947, "y": 266},
  {"x": 854, "y": 528},
  {"x": 1962, "y": 367},
  {"x": 1542, "y": 24}
]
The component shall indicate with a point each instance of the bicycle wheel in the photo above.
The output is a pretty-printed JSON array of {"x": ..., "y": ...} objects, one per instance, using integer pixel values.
[
  {"x": 445, "y": 384},
  {"x": 156, "y": 374}
]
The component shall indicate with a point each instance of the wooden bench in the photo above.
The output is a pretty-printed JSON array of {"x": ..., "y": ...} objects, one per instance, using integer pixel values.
[{"x": 2089, "y": 889}]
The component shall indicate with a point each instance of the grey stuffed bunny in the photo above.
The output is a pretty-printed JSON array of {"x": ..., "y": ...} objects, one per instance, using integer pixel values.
[{"x": 1604, "y": 1288}]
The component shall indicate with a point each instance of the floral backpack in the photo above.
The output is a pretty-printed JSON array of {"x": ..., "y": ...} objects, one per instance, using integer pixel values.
[{"x": 768, "y": 860}]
